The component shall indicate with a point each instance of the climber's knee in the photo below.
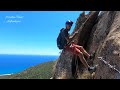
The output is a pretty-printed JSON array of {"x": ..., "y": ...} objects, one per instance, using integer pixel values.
[{"x": 81, "y": 47}]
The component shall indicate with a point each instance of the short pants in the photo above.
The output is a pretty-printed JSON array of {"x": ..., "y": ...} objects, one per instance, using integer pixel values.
[{"x": 75, "y": 49}]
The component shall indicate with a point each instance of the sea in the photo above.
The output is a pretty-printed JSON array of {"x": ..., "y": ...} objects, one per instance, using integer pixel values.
[{"x": 12, "y": 64}]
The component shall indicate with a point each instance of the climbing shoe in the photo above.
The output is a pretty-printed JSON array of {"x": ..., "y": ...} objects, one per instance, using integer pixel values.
[{"x": 92, "y": 69}]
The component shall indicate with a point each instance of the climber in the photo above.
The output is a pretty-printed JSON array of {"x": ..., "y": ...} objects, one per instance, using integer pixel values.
[{"x": 73, "y": 48}]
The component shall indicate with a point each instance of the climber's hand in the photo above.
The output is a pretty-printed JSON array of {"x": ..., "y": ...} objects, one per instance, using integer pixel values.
[
  {"x": 76, "y": 32},
  {"x": 70, "y": 37},
  {"x": 73, "y": 35}
]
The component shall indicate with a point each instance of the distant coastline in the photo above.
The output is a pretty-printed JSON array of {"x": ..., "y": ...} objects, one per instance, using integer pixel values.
[
  {"x": 15, "y": 63},
  {"x": 6, "y": 74}
]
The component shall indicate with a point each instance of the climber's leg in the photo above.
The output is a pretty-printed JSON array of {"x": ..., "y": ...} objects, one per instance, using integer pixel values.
[
  {"x": 81, "y": 56},
  {"x": 76, "y": 51},
  {"x": 82, "y": 50}
]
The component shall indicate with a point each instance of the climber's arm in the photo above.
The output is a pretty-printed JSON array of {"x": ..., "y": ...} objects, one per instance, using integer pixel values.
[
  {"x": 66, "y": 35},
  {"x": 67, "y": 38},
  {"x": 71, "y": 37}
]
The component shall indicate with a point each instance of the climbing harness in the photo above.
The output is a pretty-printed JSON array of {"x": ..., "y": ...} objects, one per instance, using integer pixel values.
[{"x": 110, "y": 66}]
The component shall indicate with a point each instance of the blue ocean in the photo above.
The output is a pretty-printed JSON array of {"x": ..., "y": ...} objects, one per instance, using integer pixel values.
[{"x": 11, "y": 64}]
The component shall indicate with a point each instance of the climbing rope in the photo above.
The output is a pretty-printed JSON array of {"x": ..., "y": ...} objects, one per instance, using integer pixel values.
[
  {"x": 110, "y": 66},
  {"x": 77, "y": 67}
]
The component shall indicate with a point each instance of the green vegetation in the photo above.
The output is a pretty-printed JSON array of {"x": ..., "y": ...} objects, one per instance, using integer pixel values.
[{"x": 41, "y": 71}]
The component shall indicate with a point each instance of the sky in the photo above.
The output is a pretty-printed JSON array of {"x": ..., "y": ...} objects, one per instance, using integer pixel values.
[{"x": 33, "y": 32}]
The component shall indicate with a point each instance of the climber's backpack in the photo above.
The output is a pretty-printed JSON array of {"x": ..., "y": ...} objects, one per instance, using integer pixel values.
[{"x": 60, "y": 41}]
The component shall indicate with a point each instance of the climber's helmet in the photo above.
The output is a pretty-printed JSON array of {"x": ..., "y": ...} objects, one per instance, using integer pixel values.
[{"x": 68, "y": 24}]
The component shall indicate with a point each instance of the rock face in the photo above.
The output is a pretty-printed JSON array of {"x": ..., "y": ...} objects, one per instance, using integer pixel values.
[
  {"x": 106, "y": 42},
  {"x": 101, "y": 36}
]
